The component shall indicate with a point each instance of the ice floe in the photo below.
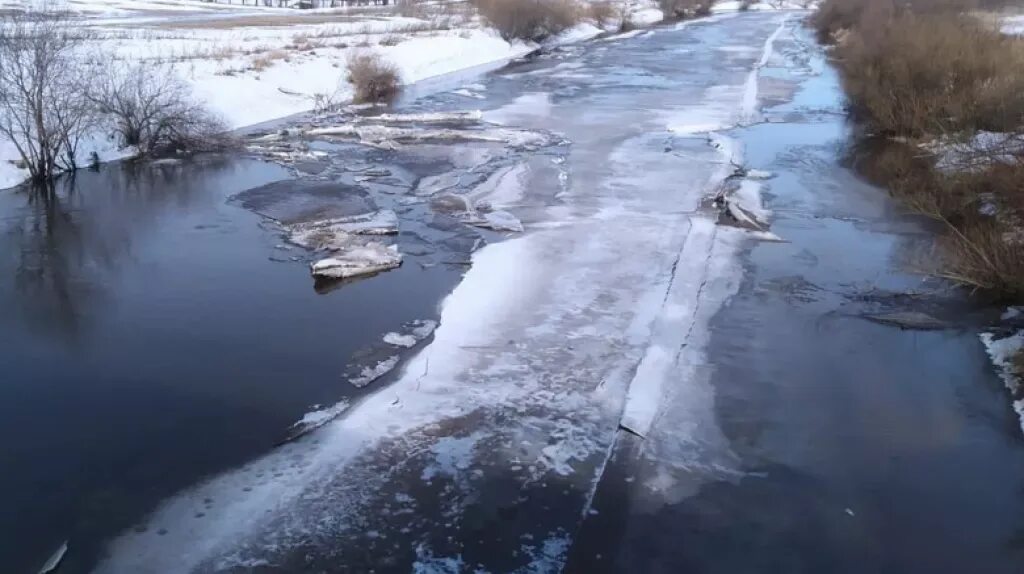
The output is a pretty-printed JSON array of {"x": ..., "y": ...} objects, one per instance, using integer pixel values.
[
  {"x": 399, "y": 340},
  {"x": 1002, "y": 351},
  {"x": 358, "y": 260},
  {"x": 374, "y": 372}
]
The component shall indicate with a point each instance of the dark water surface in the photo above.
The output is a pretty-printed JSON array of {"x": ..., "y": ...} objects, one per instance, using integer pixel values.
[{"x": 149, "y": 339}]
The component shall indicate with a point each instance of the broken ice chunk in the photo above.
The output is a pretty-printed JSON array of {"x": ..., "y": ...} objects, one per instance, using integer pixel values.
[
  {"x": 422, "y": 329},
  {"x": 358, "y": 260},
  {"x": 370, "y": 374},
  {"x": 335, "y": 233},
  {"x": 399, "y": 340}
]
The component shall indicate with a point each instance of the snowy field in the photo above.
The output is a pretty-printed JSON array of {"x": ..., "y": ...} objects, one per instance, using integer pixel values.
[{"x": 254, "y": 64}]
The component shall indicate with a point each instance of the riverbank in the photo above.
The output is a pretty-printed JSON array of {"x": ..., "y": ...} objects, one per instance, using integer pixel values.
[{"x": 951, "y": 154}]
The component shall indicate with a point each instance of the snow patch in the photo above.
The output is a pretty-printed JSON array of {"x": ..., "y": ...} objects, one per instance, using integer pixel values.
[{"x": 578, "y": 33}]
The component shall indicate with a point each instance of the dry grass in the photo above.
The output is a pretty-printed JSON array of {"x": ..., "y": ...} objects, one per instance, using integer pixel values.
[
  {"x": 835, "y": 17},
  {"x": 602, "y": 12},
  {"x": 930, "y": 75},
  {"x": 372, "y": 78},
  {"x": 985, "y": 257},
  {"x": 679, "y": 9},
  {"x": 529, "y": 19},
  {"x": 267, "y": 59},
  {"x": 942, "y": 76}
]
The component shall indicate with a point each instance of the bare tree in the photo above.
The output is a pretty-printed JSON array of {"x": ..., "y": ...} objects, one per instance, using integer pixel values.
[
  {"x": 42, "y": 107},
  {"x": 153, "y": 109}
]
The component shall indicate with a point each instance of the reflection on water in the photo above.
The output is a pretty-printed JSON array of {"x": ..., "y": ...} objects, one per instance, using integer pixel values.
[
  {"x": 153, "y": 333},
  {"x": 72, "y": 234}
]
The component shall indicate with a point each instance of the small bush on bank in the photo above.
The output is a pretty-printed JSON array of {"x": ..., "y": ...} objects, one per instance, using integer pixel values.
[
  {"x": 835, "y": 17},
  {"x": 529, "y": 19},
  {"x": 372, "y": 78},
  {"x": 678, "y": 9},
  {"x": 985, "y": 257},
  {"x": 920, "y": 75},
  {"x": 152, "y": 108},
  {"x": 602, "y": 12}
]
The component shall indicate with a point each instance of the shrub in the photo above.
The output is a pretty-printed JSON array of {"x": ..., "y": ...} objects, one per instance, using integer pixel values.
[
  {"x": 602, "y": 12},
  {"x": 152, "y": 109},
  {"x": 43, "y": 113},
  {"x": 674, "y": 9},
  {"x": 529, "y": 19},
  {"x": 984, "y": 256},
  {"x": 372, "y": 78},
  {"x": 921, "y": 75},
  {"x": 626, "y": 23},
  {"x": 834, "y": 17}
]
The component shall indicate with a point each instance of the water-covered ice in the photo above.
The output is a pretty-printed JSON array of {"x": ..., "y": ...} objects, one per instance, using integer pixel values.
[
  {"x": 499, "y": 220},
  {"x": 598, "y": 316}
]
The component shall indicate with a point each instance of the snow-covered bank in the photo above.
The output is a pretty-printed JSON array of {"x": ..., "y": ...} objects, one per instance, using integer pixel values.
[{"x": 249, "y": 74}]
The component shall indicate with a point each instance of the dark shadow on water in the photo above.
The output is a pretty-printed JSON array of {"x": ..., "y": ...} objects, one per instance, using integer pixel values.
[{"x": 150, "y": 339}]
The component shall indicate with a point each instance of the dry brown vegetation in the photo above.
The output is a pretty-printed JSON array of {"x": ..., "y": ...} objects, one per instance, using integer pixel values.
[
  {"x": 373, "y": 79},
  {"x": 922, "y": 72},
  {"x": 529, "y": 19},
  {"x": 603, "y": 12},
  {"x": 934, "y": 74},
  {"x": 679, "y": 9}
]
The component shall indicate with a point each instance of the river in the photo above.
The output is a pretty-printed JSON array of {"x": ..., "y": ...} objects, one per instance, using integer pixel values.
[{"x": 637, "y": 382}]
